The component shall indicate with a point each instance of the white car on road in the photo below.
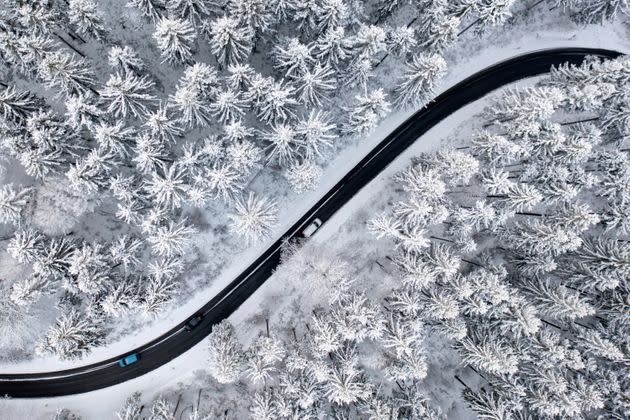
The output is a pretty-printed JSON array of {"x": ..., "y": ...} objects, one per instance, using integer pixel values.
[{"x": 312, "y": 228}]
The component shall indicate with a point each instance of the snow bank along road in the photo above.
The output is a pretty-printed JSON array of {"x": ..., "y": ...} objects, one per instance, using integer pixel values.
[{"x": 176, "y": 341}]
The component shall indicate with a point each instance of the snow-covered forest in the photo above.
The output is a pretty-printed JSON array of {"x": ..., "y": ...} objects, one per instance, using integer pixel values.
[
  {"x": 129, "y": 131},
  {"x": 111, "y": 146},
  {"x": 514, "y": 250}
]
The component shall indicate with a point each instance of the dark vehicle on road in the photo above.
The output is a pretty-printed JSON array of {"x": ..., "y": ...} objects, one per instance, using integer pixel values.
[
  {"x": 193, "y": 322},
  {"x": 129, "y": 360}
]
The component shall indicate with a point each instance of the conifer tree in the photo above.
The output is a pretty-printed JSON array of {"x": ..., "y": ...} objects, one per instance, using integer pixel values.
[
  {"x": 67, "y": 74},
  {"x": 418, "y": 83},
  {"x": 128, "y": 94},
  {"x": 153, "y": 9},
  {"x": 175, "y": 39},
  {"x": 226, "y": 354},
  {"x": 231, "y": 43},
  {"x": 71, "y": 337},
  {"x": 84, "y": 14},
  {"x": 12, "y": 202},
  {"x": 253, "y": 217}
]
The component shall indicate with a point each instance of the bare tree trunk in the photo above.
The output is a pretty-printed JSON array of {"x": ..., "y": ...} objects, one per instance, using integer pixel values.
[
  {"x": 552, "y": 324},
  {"x": 534, "y": 5},
  {"x": 179, "y": 399},
  {"x": 461, "y": 382},
  {"x": 469, "y": 26},
  {"x": 580, "y": 121},
  {"x": 441, "y": 239},
  {"x": 70, "y": 45}
]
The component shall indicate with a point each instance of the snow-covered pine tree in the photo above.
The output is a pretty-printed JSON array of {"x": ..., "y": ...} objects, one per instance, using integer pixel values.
[
  {"x": 26, "y": 245},
  {"x": 149, "y": 154},
  {"x": 359, "y": 73},
  {"x": 165, "y": 268},
  {"x": 157, "y": 292},
  {"x": 162, "y": 409},
  {"x": 193, "y": 10},
  {"x": 12, "y": 202},
  {"x": 264, "y": 405},
  {"x": 369, "y": 41},
  {"x": 255, "y": 14},
  {"x": 225, "y": 181},
  {"x": 240, "y": 76},
  {"x": 231, "y": 43},
  {"x": 28, "y": 290},
  {"x": 86, "y": 17},
  {"x": 284, "y": 144},
  {"x": 171, "y": 239},
  {"x": 175, "y": 39},
  {"x": 386, "y": 7},
  {"x": 132, "y": 408},
  {"x": 90, "y": 268},
  {"x": 488, "y": 405},
  {"x": 124, "y": 297},
  {"x": 317, "y": 134},
  {"x": 195, "y": 90},
  {"x": 72, "y": 336},
  {"x": 65, "y": 414},
  {"x": 126, "y": 59},
  {"x": 153, "y": 9},
  {"x": 54, "y": 258},
  {"x": 128, "y": 95},
  {"x": 253, "y": 217},
  {"x": 82, "y": 111},
  {"x": 226, "y": 354},
  {"x": 596, "y": 11},
  {"x": 493, "y": 13},
  {"x": 331, "y": 14},
  {"x": 303, "y": 176},
  {"x": 333, "y": 47},
  {"x": 438, "y": 30},
  {"x": 347, "y": 386},
  {"x": 315, "y": 85},
  {"x": 116, "y": 138},
  {"x": 366, "y": 112},
  {"x": 417, "y": 85},
  {"x": 163, "y": 124},
  {"x": 276, "y": 104},
  {"x": 228, "y": 106},
  {"x": 245, "y": 155},
  {"x": 489, "y": 353},
  {"x": 402, "y": 40},
  {"x": 66, "y": 73},
  {"x": 557, "y": 301},
  {"x": 292, "y": 57},
  {"x": 17, "y": 105},
  {"x": 167, "y": 188}
]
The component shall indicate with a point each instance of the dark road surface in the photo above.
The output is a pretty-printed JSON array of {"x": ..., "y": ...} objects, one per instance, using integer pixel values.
[{"x": 176, "y": 341}]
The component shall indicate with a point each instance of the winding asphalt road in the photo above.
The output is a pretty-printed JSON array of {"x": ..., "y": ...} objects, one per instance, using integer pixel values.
[{"x": 176, "y": 341}]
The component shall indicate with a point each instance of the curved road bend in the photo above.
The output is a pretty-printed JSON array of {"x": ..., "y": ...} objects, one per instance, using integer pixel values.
[{"x": 176, "y": 341}]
